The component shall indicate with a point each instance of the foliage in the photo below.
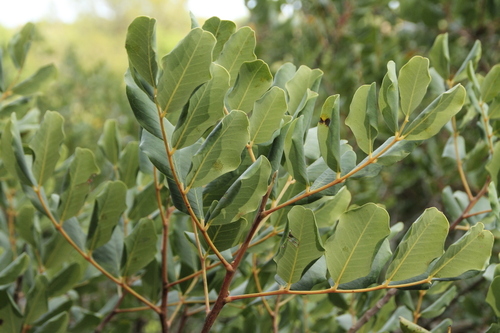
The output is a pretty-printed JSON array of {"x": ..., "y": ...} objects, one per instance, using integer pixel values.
[{"x": 234, "y": 209}]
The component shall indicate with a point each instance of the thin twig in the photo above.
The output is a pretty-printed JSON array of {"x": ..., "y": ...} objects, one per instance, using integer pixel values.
[{"x": 373, "y": 311}]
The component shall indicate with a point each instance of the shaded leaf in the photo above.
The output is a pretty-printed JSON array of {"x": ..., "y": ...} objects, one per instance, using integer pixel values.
[
  {"x": 35, "y": 82},
  {"x": 474, "y": 56},
  {"x": 300, "y": 246},
  {"x": 20, "y": 44},
  {"x": 295, "y": 162},
  {"x": 237, "y": 50},
  {"x": 329, "y": 211},
  {"x": 10, "y": 317},
  {"x": 439, "y": 305},
  {"x": 46, "y": 144},
  {"x": 493, "y": 296},
  {"x": 355, "y": 242},
  {"x": 220, "y": 153},
  {"x": 185, "y": 68},
  {"x": 109, "y": 142},
  {"x": 140, "y": 247},
  {"x": 108, "y": 207},
  {"x": 440, "y": 56},
  {"x": 17, "y": 267},
  {"x": 57, "y": 324},
  {"x": 284, "y": 74},
  {"x": 254, "y": 78},
  {"x": 82, "y": 168},
  {"x": 422, "y": 243},
  {"x": 205, "y": 108},
  {"x": 128, "y": 165},
  {"x": 362, "y": 118},
  {"x": 64, "y": 280},
  {"x": 436, "y": 115},
  {"x": 493, "y": 165},
  {"x": 329, "y": 133},
  {"x": 490, "y": 87},
  {"x": 110, "y": 254},
  {"x": 267, "y": 115},
  {"x": 36, "y": 301},
  {"x": 225, "y": 236},
  {"x": 141, "y": 48},
  {"x": 414, "y": 78},
  {"x": 471, "y": 252}
]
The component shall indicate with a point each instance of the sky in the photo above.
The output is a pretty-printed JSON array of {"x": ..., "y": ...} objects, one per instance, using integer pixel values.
[{"x": 18, "y": 12}]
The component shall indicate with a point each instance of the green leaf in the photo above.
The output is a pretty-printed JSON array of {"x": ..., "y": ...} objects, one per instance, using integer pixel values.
[
  {"x": 2, "y": 82},
  {"x": 254, "y": 79},
  {"x": 396, "y": 153},
  {"x": 205, "y": 108},
  {"x": 36, "y": 81},
  {"x": 110, "y": 254},
  {"x": 388, "y": 98},
  {"x": 222, "y": 30},
  {"x": 185, "y": 68},
  {"x": 493, "y": 165},
  {"x": 439, "y": 305},
  {"x": 329, "y": 133},
  {"x": 471, "y": 252},
  {"x": 20, "y": 44},
  {"x": 140, "y": 247},
  {"x": 436, "y": 115},
  {"x": 440, "y": 56},
  {"x": 494, "y": 108},
  {"x": 36, "y": 300},
  {"x": 494, "y": 199},
  {"x": 11, "y": 318},
  {"x": 300, "y": 246},
  {"x": 26, "y": 226},
  {"x": 46, "y": 144},
  {"x": 82, "y": 168},
  {"x": 144, "y": 202},
  {"x": 145, "y": 110},
  {"x": 414, "y": 78},
  {"x": 355, "y": 242},
  {"x": 362, "y": 118},
  {"x": 225, "y": 236},
  {"x": 220, "y": 153},
  {"x": 109, "y": 142},
  {"x": 284, "y": 74},
  {"x": 267, "y": 115},
  {"x": 244, "y": 195},
  {"x": 422, "y": 243},
  {"x": 108, "y": 208},
  {"x": 13, "y": 153},
  {"x": 151, "y": 281},
  {"x": 329, "y": 211},
  {"x": 490, "y": 87},
  {"x": 295, "y": 162},
  {"x": 17, "y": 267},
  {"x": 474, "y": 56},
  {"x": 237, "y": 50},
  {"x": 409, "y": 327},
  {"x": 64, "y": 280},
  {"x": 141, "y": 48},
  {"x": 443, "y": 326},
  {"x": 128, "y": 165},
  {"x": 304, "y": 79},
  {"x": 493, "y": 296},
  {"x": 57, "y": 324}
]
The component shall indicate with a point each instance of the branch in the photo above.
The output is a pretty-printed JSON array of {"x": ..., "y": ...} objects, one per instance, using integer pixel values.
[{"x": 373, "y": 311}]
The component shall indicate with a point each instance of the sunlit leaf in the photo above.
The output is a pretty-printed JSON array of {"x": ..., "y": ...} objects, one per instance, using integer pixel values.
[
  {"x": 329, "y": 212},
  {"x": 413, "y": 80},
  {"x": 356, "y": 240},
  {"x": 493, "y": 165},
  {"x": 362, "y": 118},
  {"x": 304, "y": 79},
  {"x": 205, "y": 108},
  {"x": 388, "y": 98},
  {"x": 471, "y": 252},
  {"x": 141, "y": 48},
  {"x": 474, "y": 56},
  {"x": 436, "y": 115},
  {"x": 237, "y": 50},
  {"x": 254, "y": 79},
  {"x": 20, "y": 44},
  {"x": 409, "y": 327},
  {"x": 244, "y": 195},
  {"x": 185, "y": 68},
  {"x": 301, "y": 244},
  {"x": 220, "y": 153},
  {"x": 222, "y": 30},
  {"x": 267, "y": 115},
  {"x": 422, "y": 243}
]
